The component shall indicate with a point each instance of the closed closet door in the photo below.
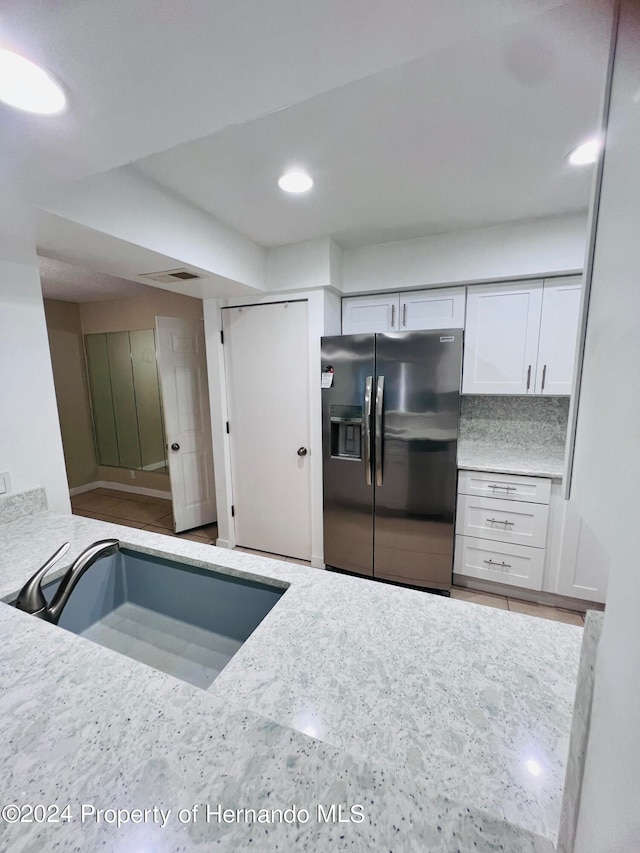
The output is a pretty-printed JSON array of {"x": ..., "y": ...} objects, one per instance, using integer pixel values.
[{"x": 266, "y": 350}]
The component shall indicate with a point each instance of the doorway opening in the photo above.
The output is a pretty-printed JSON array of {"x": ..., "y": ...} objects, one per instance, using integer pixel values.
[{"x": 119, "y": 351}]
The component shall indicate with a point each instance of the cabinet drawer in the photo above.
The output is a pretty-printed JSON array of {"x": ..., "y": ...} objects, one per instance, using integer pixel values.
[
  {"x": 495, "y": 561},
  {"x": 505, "y": 521},
  {"x": 505, "y": 486}
]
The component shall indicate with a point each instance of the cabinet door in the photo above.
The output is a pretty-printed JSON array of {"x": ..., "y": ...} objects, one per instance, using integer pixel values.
[
  {"x": 558, "y": 333},
  {"x": 370, "y": 314},
  {"x": 432, "y": 309},
  {"x": 501, "y": 338}
]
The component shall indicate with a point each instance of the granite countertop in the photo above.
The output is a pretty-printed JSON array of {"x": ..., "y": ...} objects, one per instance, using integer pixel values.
[
  {"x": 428, "y": 712},
  {"x": 504, "y": 458}
]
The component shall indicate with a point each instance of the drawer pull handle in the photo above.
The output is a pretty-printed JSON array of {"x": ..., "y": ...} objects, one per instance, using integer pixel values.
[
  {"x": 497, "y": 521},
  {"x": 503, "y": 488},
  {"x": 493, "y": 563}
]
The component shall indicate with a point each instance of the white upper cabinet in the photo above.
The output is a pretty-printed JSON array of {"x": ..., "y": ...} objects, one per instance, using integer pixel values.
[
  {"x": 501, "y": 338},
  {"x": 370, "y": 314},
  {"x": 398, "y": 312},
  {"x": 432, "y": 309},
  {"x": 558, "y": 334},
  {"x": 520, "y": 338}
]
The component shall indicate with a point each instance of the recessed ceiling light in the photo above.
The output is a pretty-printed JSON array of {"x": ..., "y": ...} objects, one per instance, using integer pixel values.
[
  {"x": 586, "y": 153},
  {"x": 295, "y": 182},
  {"x": 25, "y": 85},
  {"x": 533, "y": 767}
]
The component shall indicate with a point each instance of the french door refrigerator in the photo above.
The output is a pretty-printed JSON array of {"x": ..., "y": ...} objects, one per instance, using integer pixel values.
[{"x": 390, "y": 411}]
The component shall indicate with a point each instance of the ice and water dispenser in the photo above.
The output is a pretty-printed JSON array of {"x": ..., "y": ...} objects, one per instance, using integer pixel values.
[{"x": 346, "y": 431}]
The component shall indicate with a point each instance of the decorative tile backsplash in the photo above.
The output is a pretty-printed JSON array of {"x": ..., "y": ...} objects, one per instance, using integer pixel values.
[{"x": 514, "y": 420}]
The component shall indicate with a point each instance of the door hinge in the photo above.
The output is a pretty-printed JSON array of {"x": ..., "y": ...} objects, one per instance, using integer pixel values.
[
  {"x": 222, "y": 337},
  {"x": 233, "y": 511},
  {"x": 227, "y": 427}
]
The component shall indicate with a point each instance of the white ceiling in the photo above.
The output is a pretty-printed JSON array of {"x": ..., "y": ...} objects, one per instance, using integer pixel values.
[
  {"x": 145, "y": 75},
  {"x": 414, "y": 117},
  {"x": 474, "y": 134},
  {"x": 70, "y": 283}
]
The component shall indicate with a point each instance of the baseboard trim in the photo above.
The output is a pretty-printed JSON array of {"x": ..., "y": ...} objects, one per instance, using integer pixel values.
[
  {"x": 317, "y": 562},
  {"x": 535, "y": 596},
  {"x": 222, "y": 543},
  {"x": 79, "y": 490},
  {"x": 120, "y": 487}
]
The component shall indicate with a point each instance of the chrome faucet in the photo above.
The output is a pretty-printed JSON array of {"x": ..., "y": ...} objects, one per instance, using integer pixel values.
[{"x": 31, "y": 598}]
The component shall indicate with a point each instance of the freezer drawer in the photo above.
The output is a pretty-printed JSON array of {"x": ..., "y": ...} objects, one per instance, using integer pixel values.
[
  {"x": 507, "y": 486},
  {"x": 505, "y": 521},
  {"x": 497, "y": 561}
]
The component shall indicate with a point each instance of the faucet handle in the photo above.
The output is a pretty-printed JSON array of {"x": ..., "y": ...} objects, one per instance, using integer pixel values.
[{"x": 31, "y": 598}]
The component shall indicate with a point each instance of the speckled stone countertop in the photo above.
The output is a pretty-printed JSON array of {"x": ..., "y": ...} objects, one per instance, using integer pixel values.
[
  {"x": 513, "y": 435},
  {"x": 447, "y": 721},
  {"x": 503, "y": 458}
]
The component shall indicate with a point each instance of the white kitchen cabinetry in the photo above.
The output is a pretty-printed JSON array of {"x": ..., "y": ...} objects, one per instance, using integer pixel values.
[
  {"x": 516, "y": 522},
  {"x": 527, "y": 536},
  {"x": 520, "y": 337},
  {"x": 432, "y": 309},
  {"x": 558, "y": 334},
  {"x": 501, "y": 338},
  {"x": 512, "y": 487},
  {"x": 397, "y": 312},
  {"x": 370, "y": 314},
  {"x": 498, "y": 538}
]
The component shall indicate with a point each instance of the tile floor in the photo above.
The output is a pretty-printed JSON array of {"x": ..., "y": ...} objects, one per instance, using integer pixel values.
[
  {"x": 155, "y": 514},
  {"x": 139, "y": 511},
  {"x": 515, "y": 605}
]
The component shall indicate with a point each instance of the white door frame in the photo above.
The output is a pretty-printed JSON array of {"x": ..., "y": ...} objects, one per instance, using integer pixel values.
[{"x": 324, "y": 313}]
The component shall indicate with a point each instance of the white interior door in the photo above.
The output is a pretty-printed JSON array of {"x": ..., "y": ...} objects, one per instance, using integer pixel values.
[
  {"x": 185, "y": 395},
  {"x": 266, "y": 350}
]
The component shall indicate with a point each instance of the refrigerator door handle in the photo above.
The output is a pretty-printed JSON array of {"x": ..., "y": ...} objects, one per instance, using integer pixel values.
[
  {"x": 366, "y": 429},
  {"x": 379, "y": 407}
]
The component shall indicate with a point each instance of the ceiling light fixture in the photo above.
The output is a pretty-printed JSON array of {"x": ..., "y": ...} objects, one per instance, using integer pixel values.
[
  {"x": 26, "y": 86},
  {"x": 586, "y": 153},
  {"x": 295, "y": 182}
]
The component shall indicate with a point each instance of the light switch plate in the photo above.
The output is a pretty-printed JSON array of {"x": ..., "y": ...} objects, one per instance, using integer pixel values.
[{"x": 5, "y": 482}]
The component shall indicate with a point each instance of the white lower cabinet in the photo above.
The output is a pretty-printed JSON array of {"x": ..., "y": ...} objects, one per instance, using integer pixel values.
[
  {"x": 517, "y": 565},
  {"x": 527, "y": 536},
  {"x": 515, "y": 522},
  {"x": 502, "y": 538}
]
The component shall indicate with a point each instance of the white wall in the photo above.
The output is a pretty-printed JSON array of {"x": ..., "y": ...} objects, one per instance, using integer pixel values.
[
  {"x": 30, "y": 442},
  {"x": 126, "y": 204},
  {"x": 606, "y": 475},
  {"x": 531, "y": 248}
]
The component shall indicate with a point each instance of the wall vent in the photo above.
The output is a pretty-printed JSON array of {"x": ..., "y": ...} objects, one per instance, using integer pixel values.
[{"x": 167, "y": 276}]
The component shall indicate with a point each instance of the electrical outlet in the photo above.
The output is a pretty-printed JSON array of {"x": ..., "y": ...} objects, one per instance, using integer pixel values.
[{"x": 133, "y": 474}]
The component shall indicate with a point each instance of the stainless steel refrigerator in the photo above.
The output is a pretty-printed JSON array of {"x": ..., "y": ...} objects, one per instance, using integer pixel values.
[{"x": 390, "y": 412}]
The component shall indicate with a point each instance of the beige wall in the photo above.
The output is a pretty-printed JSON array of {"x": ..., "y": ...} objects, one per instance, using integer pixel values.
[
  {"x": 128, "y": 315},
  {"x": 72, "y": 393},
  {"x": 67, "y": 322},
  {"x": 138, "y": 312}
]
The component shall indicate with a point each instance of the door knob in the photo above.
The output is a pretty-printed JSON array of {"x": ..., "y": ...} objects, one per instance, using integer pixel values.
[
  {"x": 175, "y": 446},
  {"x": 302, "y": 451}
]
